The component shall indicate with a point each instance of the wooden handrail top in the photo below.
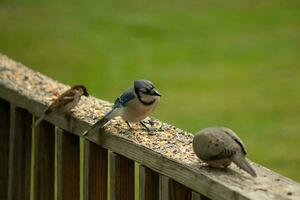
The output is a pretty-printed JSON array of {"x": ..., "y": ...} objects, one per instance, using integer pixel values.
[{"x": 167, "y": 151}]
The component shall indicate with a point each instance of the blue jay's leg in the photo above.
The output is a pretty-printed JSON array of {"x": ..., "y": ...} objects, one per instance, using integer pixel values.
[
  {"x": 128, "y": 125},
  {"x": 151, "y": 121}
]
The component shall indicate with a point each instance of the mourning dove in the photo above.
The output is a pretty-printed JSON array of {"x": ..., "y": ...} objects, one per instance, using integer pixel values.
[{"x": 219, "y": 146}]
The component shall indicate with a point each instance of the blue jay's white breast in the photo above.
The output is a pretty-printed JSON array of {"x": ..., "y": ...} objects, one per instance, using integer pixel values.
[{"x": 135, "y": 111}]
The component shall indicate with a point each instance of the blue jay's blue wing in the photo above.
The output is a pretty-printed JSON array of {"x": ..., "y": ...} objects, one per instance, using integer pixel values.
[{"x": 124, "y": 99}]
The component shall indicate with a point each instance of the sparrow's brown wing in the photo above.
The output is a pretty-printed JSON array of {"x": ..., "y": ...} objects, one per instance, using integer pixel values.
[{"x": 64, "y": 99}]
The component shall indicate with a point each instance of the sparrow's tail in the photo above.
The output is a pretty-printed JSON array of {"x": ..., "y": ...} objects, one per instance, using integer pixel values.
[
  {"x": 39, "y": 120},
  {"x": 241, "y": 161}
]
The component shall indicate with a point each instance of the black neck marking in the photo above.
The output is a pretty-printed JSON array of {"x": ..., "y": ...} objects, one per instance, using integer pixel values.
[{"x": 146, "y": 103}]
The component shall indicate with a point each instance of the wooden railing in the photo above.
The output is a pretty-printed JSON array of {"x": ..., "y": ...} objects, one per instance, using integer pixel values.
[{"x": 44, "y": 163}]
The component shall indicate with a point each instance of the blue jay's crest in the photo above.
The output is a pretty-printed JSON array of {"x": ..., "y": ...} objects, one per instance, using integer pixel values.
[{"x": 138, "y": 84}]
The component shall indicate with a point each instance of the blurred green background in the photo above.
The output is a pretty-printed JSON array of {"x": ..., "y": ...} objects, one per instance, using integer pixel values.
[{"x": 217, "y": 63}]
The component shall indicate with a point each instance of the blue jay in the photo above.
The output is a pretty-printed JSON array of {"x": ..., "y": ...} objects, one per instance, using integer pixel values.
[{"x": 134, "y": 105}]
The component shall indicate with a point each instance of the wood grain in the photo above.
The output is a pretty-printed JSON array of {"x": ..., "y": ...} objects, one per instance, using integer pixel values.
[
  {"x": 19, "y": 154},
  {"x": 44, "y": 161},
  {"x": 4, "y": 147},
  {"x": 149, "y": 184},
  {"x": 121, "y": 177},
  {"x": 95, "y": 171},
  {"x": 197, "y": 196},
  {"x": 178, "y": 191},
  {"x": 164, "y": 187},
  {"x": 68, "y": 165}
]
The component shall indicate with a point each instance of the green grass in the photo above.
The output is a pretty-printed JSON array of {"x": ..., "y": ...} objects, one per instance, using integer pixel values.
[{"x": 231, "y": 63}]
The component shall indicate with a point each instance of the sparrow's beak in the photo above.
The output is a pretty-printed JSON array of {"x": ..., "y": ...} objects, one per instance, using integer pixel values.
[
  {"x": 86, "y": 94},
  {"x": 155, "y": 93}
]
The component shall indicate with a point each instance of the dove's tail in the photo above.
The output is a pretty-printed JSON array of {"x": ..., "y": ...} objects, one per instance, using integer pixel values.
[{"x": 241, "y": 161}]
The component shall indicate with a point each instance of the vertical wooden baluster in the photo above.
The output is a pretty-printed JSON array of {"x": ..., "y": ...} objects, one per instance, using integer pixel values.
[
  {"x": 121, "y": 177},
  {"x": 95, "y": 172},
  {"x": 4, "y": 147},
  {"x": 197, "y": 196},
  {"x": 163, "y": 187},
  {"x": 68, "y": 165},
  {"x": 204, "y": 197},
  {"x": 178, "y": 191},
  {"x": 19, "y": 154},
  {"x": 149, "y": 180},
  {"x": 44, "y": 161}
]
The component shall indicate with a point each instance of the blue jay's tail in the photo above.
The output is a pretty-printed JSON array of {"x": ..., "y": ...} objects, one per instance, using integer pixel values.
[
  {"x": 39, "y": 120},
  {"x": 99, "y": 124},
  {"x": 240, "y": 161}
]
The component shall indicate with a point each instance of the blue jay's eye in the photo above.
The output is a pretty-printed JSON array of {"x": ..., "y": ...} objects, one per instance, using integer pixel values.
[{"x": 144, "y": 90}]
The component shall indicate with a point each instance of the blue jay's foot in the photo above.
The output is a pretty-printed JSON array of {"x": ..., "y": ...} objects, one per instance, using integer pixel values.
[
  {"x": 145, "y": 126},
  {"x": 149, "y": 130},
  {"x": 130, "y": 128}
]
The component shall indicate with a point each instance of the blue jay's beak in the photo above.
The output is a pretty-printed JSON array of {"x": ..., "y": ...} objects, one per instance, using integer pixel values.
[{"x": 155, "y": 93}]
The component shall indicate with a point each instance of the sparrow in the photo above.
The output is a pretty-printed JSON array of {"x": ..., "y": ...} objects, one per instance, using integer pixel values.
[{"x": 65, "y": 102}]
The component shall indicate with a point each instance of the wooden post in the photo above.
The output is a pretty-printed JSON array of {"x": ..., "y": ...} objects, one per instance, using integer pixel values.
[
  {"x": 178, "y": 191},
  {"x": 149, "y": 180},
  {"x": 68, "y": 165},
  {"x": 44, "y": 161},
  {"x": 121, "y": 177},
  {"x": 4, "y": 147},
  {"x": 197, "y": 196},
  {"x": 163, "y": 187},
  {"x": 95, "y": 171},
  {"x": 19, "y": 154}
]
